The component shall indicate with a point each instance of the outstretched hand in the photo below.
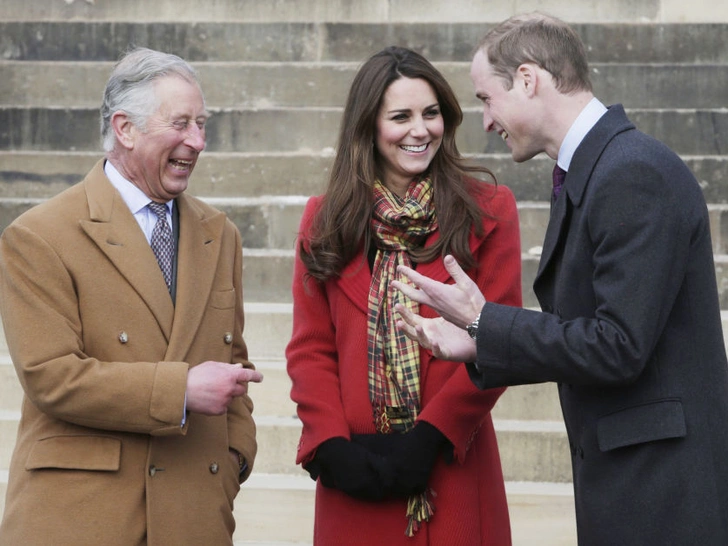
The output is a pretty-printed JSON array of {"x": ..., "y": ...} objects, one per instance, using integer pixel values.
[
  {"x": 459, "y": 303},
  {"x": 443, "y": 338}
]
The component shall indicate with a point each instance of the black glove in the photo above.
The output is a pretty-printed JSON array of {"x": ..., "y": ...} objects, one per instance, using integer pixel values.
[
  {"x": 414, "y": 457},
  {"x": 351, "y": 468},
  {"x": 381, "y": 444}
]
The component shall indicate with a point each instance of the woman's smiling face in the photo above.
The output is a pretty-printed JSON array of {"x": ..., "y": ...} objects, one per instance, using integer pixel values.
[{"x": 409, "y": 131}]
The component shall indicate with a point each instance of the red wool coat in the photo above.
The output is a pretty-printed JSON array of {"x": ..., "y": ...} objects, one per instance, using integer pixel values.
[{"x": 327, "y": 363}]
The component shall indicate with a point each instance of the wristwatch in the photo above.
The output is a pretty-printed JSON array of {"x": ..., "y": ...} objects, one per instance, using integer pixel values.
[{"x": 472, "y": 328}]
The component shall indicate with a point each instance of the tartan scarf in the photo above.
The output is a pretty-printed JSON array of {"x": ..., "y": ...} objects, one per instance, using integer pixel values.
[{"x": 398, "y": 224}]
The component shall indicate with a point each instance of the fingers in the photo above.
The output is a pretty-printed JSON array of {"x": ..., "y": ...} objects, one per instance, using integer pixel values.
[
  {"x": 409, "y": 285},
  {"x": 407, "y": 289},
  {"x": 408, "y": 323}
]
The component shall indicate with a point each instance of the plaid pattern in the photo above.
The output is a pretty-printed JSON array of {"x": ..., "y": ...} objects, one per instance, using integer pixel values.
[
  {"x": 161, "y": 241},
  {"x": 394, "y": 360}
]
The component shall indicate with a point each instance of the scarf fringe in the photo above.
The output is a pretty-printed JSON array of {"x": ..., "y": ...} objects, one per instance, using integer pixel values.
[{"x": 419, "y": 511}]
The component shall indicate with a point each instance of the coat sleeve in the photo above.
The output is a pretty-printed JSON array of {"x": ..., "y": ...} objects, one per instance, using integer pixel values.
[
  {"x": 44, "y": 329},
  {"x": 458, "y": 408},
  {"x": 241, "y": 426},
  {"x": 312, "y": 359}
]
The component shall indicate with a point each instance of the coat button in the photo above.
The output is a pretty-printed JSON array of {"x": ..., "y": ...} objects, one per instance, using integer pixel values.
[
  {"x": 123, "y": 337},
  {"x": 228, "y": 338},
  {"x": 214, "y": 468}
]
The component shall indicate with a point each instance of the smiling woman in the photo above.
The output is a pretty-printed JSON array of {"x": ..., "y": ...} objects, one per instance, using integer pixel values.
[{"x": 381, "y": 417}]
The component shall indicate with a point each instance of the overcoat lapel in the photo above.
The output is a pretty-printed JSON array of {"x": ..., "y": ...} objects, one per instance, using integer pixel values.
[
  {"x": 115, "y": 231},
  {"x": 200, "y": 240},
  {"x": 585, "y": 159}
]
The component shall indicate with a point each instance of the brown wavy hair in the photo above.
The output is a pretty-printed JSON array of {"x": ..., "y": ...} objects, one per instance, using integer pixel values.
[{"x": 343, "y": 221}]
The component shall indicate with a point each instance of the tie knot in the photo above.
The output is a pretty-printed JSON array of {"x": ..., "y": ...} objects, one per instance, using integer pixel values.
[
  {"x": 160, "y": 209},
  {"x": 559, "y": 175}
]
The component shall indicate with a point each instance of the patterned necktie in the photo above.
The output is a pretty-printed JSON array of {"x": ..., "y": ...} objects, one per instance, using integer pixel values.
[
  {"x": 162, "y": 241},
  {"x": 558, "y": 176}
]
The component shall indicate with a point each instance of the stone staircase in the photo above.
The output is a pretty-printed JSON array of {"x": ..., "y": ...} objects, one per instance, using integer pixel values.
[{"x": 275, "y": 75}]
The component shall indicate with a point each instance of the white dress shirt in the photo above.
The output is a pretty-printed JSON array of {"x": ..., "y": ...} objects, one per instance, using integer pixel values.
[{"x": 582, "y": 125}]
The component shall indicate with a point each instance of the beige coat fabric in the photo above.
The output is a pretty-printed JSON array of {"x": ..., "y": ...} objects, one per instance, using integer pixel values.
[{"x": 102, "y": 354}]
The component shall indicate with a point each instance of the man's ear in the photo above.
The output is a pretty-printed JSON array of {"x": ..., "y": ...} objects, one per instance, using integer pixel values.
[
  {"x": 527, "y": 77},
  {"x": 123, "y": 129}
]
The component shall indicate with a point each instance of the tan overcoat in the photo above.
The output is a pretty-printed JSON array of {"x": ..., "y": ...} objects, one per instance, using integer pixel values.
[{"x": 102, "y": 354}]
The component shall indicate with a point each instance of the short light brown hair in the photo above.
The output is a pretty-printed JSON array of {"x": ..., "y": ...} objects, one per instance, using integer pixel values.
[{"x": 540, "y": 39}]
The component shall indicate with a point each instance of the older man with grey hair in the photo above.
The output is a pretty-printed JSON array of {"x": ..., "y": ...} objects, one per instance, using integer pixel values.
[{"x": 121, "y": 300}]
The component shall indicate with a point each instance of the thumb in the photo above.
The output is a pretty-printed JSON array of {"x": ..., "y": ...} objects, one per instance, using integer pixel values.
[{"x": 246, "y": 374}]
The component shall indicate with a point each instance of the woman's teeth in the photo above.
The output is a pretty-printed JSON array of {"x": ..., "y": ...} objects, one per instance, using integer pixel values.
[{"x": 421, "y": 148}]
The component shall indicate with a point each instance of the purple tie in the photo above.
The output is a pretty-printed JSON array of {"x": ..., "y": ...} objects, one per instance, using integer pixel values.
[{"x": 559, "y": 176}]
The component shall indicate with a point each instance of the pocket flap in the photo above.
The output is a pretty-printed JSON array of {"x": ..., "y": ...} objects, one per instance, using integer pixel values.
[
  {"x": 654, "y": 421},
  {"x": 80, "y": 452},
  {"x": 222, "y": 299}
]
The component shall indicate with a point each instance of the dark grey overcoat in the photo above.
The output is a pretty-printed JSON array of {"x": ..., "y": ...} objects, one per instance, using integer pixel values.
[{"x": 631, "y": 332}]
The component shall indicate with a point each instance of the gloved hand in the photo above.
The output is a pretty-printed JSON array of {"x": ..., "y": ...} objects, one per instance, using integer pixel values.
[
  {"x": 414, "y": 457},
  {"x": 352, "y": 469},
  {"x": 381, "y": 444}
]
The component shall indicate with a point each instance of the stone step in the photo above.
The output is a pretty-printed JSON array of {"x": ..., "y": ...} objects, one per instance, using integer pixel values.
[
  {"x": 526, "y": 403},
  {"x": 272, "y": 396},
  {"x": 648, "y": 42},
  {"x": 41, "y": 174},
  {"x": 268, "y": 84},
  {"x": 267, "y": 332},
  {"x": 272, "y": 223},
  {"x": 268, "y": 328},
  {"x": 531, "y": 451},
  {"x": 527, "y": 420},
  {"x": 345, "y": 10},
  {"x": 277, "y": 510},
  {"x": 11, "y": 393},
  {"x": 314, "y": 130},
  {"x": 267, "y": 276},
  {"x": 540, "y": 514}
]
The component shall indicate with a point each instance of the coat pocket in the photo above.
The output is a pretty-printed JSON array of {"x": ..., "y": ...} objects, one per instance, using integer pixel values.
[
  {"x": 222, "y": 299},
  {"x": 80, "y": 452},
  {"x": 649, "y": 422}
]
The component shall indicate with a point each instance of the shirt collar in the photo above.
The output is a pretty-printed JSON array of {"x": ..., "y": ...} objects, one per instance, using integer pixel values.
[
  {"x": 134, "y": 198},
  {"x": 581, "y": 126}
]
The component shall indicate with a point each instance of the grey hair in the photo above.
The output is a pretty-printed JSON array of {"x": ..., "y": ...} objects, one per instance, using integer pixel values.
[{"x": 130, "y": 87}]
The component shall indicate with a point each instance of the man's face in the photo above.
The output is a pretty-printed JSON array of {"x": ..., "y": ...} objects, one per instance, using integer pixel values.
[
  {"x": 505, "y": 111},
  {"x": 163, "y": 156}
]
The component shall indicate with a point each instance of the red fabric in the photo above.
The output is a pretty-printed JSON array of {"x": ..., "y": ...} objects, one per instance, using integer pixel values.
[{"x": 327, "y": 363}]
